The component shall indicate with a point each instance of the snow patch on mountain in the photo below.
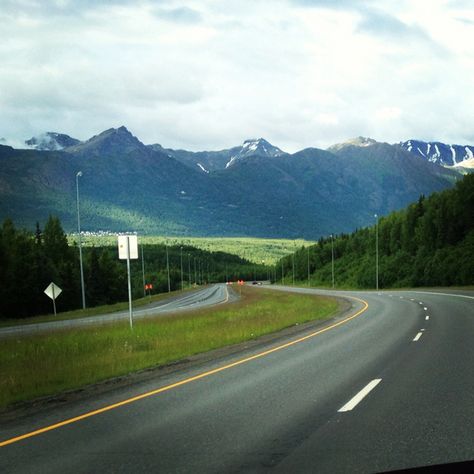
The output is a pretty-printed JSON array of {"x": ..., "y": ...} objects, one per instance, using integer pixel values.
[
  {"x": 202, "y": 168},
  {"x": 439, "y": 153},
  {"x": 51, "y": 141},
  {"x": 252, "y": 147},
  {"x": 358, "y": 141}
]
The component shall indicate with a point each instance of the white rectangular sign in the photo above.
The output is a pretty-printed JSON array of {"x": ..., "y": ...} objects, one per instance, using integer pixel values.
[
  {"x": 123, "y": 241},
  {"x": 53, "y": 291}
]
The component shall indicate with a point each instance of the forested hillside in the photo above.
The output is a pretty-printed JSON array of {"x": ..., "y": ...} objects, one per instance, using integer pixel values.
[
  {"x": 29, "y": 262},
  {"x": 429, "y": 243}
]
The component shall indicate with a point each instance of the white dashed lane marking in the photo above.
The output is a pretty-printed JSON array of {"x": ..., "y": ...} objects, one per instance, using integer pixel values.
[{"x": 354, "y": 401}]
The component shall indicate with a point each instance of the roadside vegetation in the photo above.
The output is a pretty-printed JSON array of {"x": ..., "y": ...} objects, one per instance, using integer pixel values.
[
  {"x": 430, "y": 243},
  {"x": 29, "y": 262},
  {"x": 40, "y": 365}
]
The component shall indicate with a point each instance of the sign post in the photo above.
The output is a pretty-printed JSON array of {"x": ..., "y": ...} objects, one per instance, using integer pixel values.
[
  {"x": 53, "y": 291},
  {"x": 128, "y": 249}
]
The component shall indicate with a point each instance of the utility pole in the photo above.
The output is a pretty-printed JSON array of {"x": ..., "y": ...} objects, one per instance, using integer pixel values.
[
  {"x": 78, "y": 175},
  {"x": 282, "y": 274}
]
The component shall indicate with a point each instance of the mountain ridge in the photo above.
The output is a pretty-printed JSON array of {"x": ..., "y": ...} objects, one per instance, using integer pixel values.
[{"x": 127, "y": 185}]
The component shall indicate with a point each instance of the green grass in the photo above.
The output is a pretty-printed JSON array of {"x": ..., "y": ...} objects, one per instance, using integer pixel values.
[
  {"x": 252, "y": 249},
  {"x": 40, "y": 365}
]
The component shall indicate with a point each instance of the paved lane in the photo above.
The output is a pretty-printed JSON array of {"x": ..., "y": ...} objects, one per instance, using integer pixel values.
[
  {"x": 281, "y": 410},
  {"x": 209, "y": 296}
]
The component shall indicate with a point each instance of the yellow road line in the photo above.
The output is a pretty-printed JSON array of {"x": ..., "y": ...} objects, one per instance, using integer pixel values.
[{"x": 183, "y": 382}]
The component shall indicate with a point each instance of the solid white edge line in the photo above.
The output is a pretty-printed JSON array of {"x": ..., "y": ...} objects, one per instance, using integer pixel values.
[
  {"x": 417, "y": 336},
  {"x": 354, "y": 401},
  {"x": 442, "y": 294}
]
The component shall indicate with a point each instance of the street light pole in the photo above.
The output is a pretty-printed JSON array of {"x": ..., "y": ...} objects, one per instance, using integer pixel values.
[
  {"x": 168, "y": 269},
  {"x": 293, "y": 255},
  {"x": 189, "y": 270},
  {"x": 376, "y": 252},
  {"x": 332, "y": 259},
  {"x": 308, "y": 267},
  {"x": 78, "y": 175},
  {"x": 182, "y": 280},
  {"x": 143, "y": 272}
]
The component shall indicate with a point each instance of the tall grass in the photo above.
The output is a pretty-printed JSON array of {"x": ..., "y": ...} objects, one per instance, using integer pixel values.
[{"x": 35, "y": 366}]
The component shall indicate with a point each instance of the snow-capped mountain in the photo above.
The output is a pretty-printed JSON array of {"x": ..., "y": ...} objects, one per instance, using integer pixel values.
[
  {"x": 51, "y": 141},
  {"x": 441, "y": 153},
  {"x": 209, "y": 161},
  {"x": 252, "y": 147},
  {"x": 358, "y": 141}
]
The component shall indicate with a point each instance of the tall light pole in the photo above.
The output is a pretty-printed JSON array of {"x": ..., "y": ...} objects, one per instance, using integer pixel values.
[
  {"x": 182, "y": 280},
  {"x": 293, "y": 255},
  {"x": 308, "y": 266},
  {"x": 143, "y": 272},
  {"x": 376, "y": 252},
  {"x": 78, "y": 175},
  {"x": 168, "y": 269},
  {"x": 332, "y": 259},
  {"x": 189, "y": 270}
]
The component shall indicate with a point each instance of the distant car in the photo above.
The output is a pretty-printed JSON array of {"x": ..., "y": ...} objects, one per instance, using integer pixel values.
[{"x": 254, "y": 283}]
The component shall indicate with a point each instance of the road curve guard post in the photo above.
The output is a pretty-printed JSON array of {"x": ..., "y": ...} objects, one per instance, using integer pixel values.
[{"x": 128, "y": 249}]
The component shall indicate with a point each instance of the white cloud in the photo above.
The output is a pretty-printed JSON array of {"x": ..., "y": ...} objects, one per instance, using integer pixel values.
[{"x": 207, "y": 74}]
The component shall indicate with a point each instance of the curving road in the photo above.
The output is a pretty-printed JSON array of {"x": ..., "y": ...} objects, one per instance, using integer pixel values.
[
  {"x": 388, "y": 385},
  {"x": 208, "y": 296}
]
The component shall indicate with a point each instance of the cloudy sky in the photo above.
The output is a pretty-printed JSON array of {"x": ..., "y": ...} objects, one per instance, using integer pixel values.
[{"x": 207, "y": 74}]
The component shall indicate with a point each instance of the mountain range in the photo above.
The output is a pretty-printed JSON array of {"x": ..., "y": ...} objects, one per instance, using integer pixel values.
[{"x": 254, "y": 189}]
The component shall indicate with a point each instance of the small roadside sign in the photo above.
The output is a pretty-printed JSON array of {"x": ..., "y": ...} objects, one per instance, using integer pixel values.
[
  {"x": 125, "y": 241},
  {"x": 128, "y": 249},
  {"x": 53, "y": 291}
]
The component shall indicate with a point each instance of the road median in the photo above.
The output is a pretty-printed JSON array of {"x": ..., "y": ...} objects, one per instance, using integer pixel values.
[{"x": 44, "y": 365}]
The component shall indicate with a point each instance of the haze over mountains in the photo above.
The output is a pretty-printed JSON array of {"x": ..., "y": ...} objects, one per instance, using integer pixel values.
[{"x": 254, "y": 189}]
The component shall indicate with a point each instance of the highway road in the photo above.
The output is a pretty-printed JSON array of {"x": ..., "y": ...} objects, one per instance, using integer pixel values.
[
  {"x": 388, "y": 385},
  {"x": 208, "y": 296}
]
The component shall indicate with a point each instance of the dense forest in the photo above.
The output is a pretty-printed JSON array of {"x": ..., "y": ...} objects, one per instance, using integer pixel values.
[
  {"x": 430, "y": 243},
  {"x": 30, "y": 261}
]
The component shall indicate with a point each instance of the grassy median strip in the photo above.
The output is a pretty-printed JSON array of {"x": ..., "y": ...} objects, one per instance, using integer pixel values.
[{"x": 40, "y": 365}]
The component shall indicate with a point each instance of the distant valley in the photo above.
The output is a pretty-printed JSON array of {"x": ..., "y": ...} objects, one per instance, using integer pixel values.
[{"x": 254, "y": 189}]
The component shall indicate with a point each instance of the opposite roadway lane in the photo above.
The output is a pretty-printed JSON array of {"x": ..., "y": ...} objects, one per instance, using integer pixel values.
[
  {"x": 207, "y": 296},
  {"x": 390, "y": 388}
]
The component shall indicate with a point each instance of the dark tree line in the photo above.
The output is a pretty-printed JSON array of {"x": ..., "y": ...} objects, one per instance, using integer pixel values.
[
  {"x": 30, "y": 261},
  {"x": 429, "y": 243}
]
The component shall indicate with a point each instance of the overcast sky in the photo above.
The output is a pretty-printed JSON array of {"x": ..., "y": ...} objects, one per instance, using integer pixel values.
[{"x": 207, "y": 74}]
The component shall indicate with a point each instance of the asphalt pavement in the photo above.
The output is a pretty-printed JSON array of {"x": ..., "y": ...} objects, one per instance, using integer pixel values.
[{"x": 389, "y": 385}]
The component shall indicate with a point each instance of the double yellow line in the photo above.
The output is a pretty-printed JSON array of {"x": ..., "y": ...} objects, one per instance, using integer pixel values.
[{"x": 182, "y": 382}]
